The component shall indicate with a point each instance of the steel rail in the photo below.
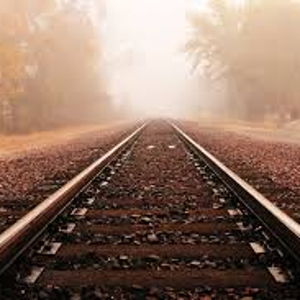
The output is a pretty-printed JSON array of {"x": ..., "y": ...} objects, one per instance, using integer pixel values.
[
  {"x": 282, "y": 227},
  {"x": 17, "y": 238}
]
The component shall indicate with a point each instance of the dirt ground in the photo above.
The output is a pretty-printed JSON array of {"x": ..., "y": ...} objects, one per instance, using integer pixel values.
[
  {"x": 288, "y": 133},
  {"x": 14, "y": 144}
]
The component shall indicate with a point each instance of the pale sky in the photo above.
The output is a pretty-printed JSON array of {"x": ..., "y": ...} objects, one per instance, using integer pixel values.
[{"x": 143, "y": 45}]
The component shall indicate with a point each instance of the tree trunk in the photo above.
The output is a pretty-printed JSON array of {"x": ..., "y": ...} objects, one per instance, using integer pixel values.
[{"x": 7, "y": 116}]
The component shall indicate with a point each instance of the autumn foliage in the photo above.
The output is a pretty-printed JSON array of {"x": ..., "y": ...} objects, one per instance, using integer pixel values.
[{"x": 50, "y": 65}]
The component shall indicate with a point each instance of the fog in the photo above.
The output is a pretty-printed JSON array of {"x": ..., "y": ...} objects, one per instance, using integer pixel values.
[
  {"x": 185, "y": 58},
  {"x": 68, "y": 62},
  {"x": 146, "y": 65}
]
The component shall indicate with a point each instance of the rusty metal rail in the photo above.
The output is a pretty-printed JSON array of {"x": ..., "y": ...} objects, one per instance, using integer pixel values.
[
  {"x": 16, "y": 239},
  {"x": 281, "y": 227}
]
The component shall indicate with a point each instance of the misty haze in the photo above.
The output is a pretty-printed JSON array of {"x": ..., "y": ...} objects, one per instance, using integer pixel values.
[{"x": 150, "y": 149}]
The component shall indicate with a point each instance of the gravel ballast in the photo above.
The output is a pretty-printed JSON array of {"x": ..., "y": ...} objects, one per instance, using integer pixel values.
[{"x": 271, "y": 166}]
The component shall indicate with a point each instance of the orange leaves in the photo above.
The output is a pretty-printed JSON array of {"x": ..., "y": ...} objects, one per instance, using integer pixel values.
[{"x": 12, "y": 70}]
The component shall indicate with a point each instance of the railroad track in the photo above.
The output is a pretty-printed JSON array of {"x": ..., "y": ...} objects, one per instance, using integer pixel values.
[
  {"x": 157, "y": 217},
  {"x": 281, "y": 194}
]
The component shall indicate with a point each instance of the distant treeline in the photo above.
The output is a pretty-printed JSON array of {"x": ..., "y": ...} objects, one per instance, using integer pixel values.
[
  {"x": 50, "y": 65},
  {"x": 253, "y": 49}
]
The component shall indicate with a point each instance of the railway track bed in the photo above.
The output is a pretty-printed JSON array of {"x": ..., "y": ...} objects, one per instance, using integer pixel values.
[
  {"x": 271, "y": 167},
  {"x": 154, "y": 222}
]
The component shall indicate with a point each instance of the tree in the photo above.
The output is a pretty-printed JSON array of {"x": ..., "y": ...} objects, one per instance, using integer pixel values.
[
  {"x": 68, "y": 54},
  {"x": 254, "y": 50},
  {"x": 11, "y": 77},
  {"x": 12, "y": 63},
  {"x": 50, "y": 64}
]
